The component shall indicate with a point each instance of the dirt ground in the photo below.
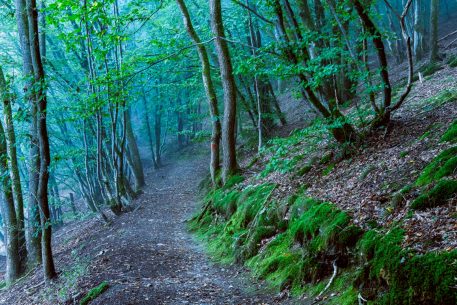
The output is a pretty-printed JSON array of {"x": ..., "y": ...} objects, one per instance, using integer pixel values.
[{"x": 147, "y": 256}]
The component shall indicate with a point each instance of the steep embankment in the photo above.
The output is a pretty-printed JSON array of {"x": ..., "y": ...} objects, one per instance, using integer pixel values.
[{"x": 379, "y": 225}]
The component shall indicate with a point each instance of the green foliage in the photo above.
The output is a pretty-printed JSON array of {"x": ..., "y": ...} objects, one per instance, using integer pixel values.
[
  {"x": 411, "y": 278},
  {"x": 94, "y": 293},
  {"x": 441, "y": 166},
  {"x": 438, "y": 195},
  {"x": 452, "y": 61},
  {"x": 451, "y": 134},
  {"x": 430, "y": 69}
]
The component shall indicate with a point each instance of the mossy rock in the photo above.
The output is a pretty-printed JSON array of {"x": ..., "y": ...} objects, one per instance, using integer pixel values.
[
  {"x": 441, "y": 166},
  {"x": 451, "y": 134},
  {"x": 94, "y": 293},
  {"x": 439, "y": 195}
]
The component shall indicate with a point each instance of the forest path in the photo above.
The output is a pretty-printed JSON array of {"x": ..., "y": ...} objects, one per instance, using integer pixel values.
[{"x": 148, "y": 257}]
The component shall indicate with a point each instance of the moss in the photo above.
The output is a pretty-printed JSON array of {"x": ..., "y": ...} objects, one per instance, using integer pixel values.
[
  {"x": 328, "y": 170},
  {"x": 451, "y": 134},
  {"x": 367, "y": 171},
  {"x": 232, "y": 181},
  {"x": 94, "y": 293},
  {"x": 430, "y": 69},
  {"x": 326, "y": 158},
  {"x": 452, "y": 61},
  {"x": 304, "y": 170},
  {"x": 441, "y": 166},
  {"x": 403, "y": 277},
  {"x": 438, "y": 195}
]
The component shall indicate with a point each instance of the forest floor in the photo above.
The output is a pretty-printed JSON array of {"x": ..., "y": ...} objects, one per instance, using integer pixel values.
[{"x": 146, "y": 256}]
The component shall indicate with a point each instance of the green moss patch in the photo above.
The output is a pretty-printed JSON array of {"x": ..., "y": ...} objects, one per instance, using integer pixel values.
[
  {"x": 294, "y": 243},
  {"x": 441, "y": 166},
  {"x": 94, "y": 293},
  {"x": 404, "y": 277},
  {"x": 451, "y": 134},
  {"x": 438, "y": 195},
  {"x": 452, "y": 61}
]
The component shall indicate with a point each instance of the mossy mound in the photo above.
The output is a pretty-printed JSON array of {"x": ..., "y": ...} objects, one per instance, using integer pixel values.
[
  {"x": 94, "y": 293},
  {"x": 295, "y": 243},
  {"x": 441, "y": 166},
  {"x": 403, "y": 277},
  {"x": 451, "y": 134},
  {"x": 438, "y": 195}
]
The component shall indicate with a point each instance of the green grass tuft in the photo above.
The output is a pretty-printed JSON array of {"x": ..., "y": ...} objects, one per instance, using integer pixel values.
[{"x": 94, "y": 293}]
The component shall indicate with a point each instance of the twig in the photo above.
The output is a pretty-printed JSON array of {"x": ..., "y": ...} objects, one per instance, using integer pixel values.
[
  {"x": 335, "y": 271},
  {"x": 450, "y": 44},
  {"x": 447, "y": 36},
  {"x": 361, "y": 299}
]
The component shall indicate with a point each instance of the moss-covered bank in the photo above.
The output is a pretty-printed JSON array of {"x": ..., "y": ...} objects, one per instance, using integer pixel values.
[{"x": 296, "y": 244}]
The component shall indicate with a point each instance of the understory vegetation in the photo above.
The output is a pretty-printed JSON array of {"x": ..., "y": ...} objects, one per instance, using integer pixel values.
[{"x": 312, "y": 247}]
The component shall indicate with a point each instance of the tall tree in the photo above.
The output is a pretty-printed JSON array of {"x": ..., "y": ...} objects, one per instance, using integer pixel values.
[
  {"x": 39, "y": 93},
  {"x": 10, "y": 220},
  {"x": 228, "y": 83},
  {"x": 14, "y": 168},
  {"x": 210, "y": 91},
  {"x": 33, "y": 231},
  {"x": 434, "y": 13}
]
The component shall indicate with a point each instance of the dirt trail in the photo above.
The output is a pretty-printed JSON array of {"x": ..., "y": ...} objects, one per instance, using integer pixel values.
[{"x": 148, "y": 257}]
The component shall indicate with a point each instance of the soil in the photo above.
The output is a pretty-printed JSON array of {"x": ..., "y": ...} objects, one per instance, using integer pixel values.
[{"x": 147, "y": 256}]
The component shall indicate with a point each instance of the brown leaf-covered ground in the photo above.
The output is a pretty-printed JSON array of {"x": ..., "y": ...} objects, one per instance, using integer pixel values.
[{"x": 388, "y": 160}]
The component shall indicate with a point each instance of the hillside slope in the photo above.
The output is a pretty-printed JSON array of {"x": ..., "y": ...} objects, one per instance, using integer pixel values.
[{"x": 375, "y": 222}]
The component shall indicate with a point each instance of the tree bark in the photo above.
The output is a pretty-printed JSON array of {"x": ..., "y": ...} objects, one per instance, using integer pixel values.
[
  {"x": 11, "y": 232},
  {"x": 137, "y": 166},
  {"x": 33, "y": 231},
  {"x": 228, "y": 83},
  {"x": 434, "y": 12},
  {"x": 209, "y": 91},
  {"x": 14, "y": 168},
  {"x": 45, "y": 158}
]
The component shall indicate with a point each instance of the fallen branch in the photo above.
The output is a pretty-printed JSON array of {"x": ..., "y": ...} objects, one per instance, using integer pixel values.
[
  {"x": 335, "y": 271},
  {"x": 451, "y": 43},
  {"x": 361, "y": 299},
  {"x": 447, "y": 36}
]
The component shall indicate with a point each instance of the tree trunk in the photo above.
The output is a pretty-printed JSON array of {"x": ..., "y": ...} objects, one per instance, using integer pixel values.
[
  {"x": 13, "y": 261},
  {"x": 137, "y": 166},
  {"x": 14, "y": 169},
  {"x": 33, "y": 233},
  {"x": 434, "y": 12},
  {"x": 209, "y": 91},
  {"x": 383, "y": 117},
  {"x": 45, "y": 158},
  {"x": 228, "y": 83},
  {"x": 148, "y": 131}
]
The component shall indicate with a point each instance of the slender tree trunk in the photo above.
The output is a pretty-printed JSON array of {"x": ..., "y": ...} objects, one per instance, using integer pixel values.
[
  {"x": 383, "y": 116},
  {"x": 45, "y": 158},
  {"x": 137, "y": 166},
  {"x": 13, "y": 259},
  {"x": 33, "y": 231},
  {"x": 14, "y": 169},
  {"x": 148, "y": 131},
  {"x": 228, "y": 83},
  {"x": 209, "y": 91},
  {"x": 434, "y": 13}
]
